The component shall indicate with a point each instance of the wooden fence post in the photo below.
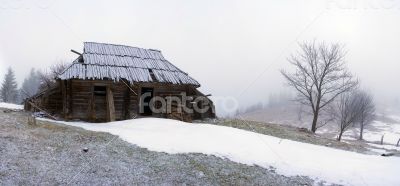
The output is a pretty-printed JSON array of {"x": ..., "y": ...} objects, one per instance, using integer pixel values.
[{"x": 32, "y": 120}]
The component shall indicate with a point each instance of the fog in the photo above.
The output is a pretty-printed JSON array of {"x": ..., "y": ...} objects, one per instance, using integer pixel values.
[{"x": 233, "y": 48}]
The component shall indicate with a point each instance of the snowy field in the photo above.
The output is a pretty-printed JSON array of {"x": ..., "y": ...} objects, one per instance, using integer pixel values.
[
  {"x": 390, "y": 130},
  {"x": 377, "y": 129},
  {"x": 387, "y": 124},
  {"x": 290, "y": 158},
  {"x": 11, "y": 106},
  {"x": 52, "y": 154}
]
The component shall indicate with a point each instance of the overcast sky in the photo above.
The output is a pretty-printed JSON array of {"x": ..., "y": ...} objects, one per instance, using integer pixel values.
[{"x": 233, "y": 48}]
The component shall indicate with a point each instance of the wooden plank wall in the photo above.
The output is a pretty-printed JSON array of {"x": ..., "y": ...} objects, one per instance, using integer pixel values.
[
  {"x": 83, "y": 101},
  {"x": 75, "y": 100}
]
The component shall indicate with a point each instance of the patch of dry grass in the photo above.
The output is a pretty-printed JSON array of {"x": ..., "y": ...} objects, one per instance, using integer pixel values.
[{"x": 52, "y": 127}]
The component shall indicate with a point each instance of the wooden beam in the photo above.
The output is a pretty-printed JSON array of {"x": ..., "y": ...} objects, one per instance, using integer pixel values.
[
  {"x": 92, "y": 105},
  {"x": 42, "y": 110},
  {"x": 127, "y": 103},
  {"x": 110, "y": 105},
  {"x": 130, "y": 88},
  {"x": 64, "y": 98},
  {"x": 69, "y": 99},
  {"x": 74, "y": 51}
]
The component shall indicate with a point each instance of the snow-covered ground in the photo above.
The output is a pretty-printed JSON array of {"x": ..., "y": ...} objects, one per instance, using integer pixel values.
[
  {"x": 377, "y": 129},
  {"x": 387, "y": 124},
  {"x": 374, "y": 132},
  {"x": 11, "y": 106},
  {"x": 290, "y": 158}
]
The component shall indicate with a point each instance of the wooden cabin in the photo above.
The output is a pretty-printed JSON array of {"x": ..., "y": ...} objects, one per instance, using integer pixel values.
[{"x": 110, "y": 82}]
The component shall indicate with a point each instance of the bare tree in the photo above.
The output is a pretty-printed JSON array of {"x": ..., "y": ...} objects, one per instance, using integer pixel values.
[
  {"x": 346, "y": 111},
  {"x": 8, "y": 90},
  {"x": 366, "y": 108},
  {"x": 320, "y": 76},
  {"x": 48, "y": 77}
]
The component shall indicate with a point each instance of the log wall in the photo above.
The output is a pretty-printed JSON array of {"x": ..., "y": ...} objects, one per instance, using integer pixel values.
[
  {"x": 87, "y": 105},
  {"x": 78, "y": 100}
]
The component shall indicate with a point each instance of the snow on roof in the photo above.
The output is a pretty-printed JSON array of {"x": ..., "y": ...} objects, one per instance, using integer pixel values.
[{"x": 111, "y": 61}]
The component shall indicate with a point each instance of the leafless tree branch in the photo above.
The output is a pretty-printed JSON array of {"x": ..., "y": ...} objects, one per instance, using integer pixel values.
[
  {"x": 48, "y": 77},
  {"x": 320, "y": 76}
]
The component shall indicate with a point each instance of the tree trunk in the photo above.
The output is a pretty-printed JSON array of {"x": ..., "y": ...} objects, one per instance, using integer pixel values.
[
  {"x": 314, "y": 122},
  {"x": 340, "y": 136},
  {"x": 361, "y": 131},
  {"x": 316, "y": 113}
]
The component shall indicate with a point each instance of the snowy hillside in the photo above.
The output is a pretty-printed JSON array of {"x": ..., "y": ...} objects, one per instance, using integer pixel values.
[
  {"x": 385, "y": 124},
  {"x": 288, "y": 157},
  {"x": 389, "y": 129}
]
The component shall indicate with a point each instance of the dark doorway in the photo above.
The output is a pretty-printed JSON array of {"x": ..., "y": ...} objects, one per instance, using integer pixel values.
[
  {"x": 100, "y": 103},
  {"x": 147, "y": 95}
]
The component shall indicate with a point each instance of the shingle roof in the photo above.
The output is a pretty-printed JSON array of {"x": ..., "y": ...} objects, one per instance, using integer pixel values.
[{"x": 117, "y": 62}]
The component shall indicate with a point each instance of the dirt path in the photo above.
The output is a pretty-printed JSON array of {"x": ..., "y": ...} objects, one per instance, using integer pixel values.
[{"x": 49, "y": 154}]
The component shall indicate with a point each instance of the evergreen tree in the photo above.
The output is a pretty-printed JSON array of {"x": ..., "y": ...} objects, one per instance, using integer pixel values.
[
  {"x": 31, "y": 85},
  {"x": 9, "y": 91}
]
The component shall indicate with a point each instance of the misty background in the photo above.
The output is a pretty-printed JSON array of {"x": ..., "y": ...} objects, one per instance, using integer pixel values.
[{"x": 235, "y": 49}]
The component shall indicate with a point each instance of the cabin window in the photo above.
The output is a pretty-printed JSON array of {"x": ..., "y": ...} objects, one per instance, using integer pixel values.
[{"x": 100, "y": 90}]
